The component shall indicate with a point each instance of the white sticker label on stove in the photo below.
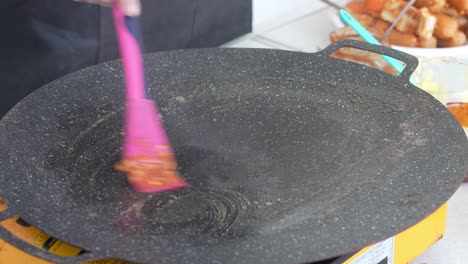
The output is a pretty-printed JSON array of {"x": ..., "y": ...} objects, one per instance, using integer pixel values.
[{"x": 380, "y": 253}]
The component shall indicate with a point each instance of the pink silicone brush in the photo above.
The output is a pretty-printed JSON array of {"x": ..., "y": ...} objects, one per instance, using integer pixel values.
[{"x": 147, "y": 157}]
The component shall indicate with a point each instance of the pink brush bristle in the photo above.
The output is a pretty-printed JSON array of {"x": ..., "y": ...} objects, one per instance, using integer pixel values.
[{"x": 148, "y": 158}]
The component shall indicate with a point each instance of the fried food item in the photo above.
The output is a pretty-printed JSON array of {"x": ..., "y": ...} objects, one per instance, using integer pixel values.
[
  {"x": 462, "y": 21},
  {"x": 449, "y": 11},
  {"x": 426, "y": 25},
  {"x": 379, "y": 28},
  {"x": 365, "y": 20},
  {"x": 402, "y": 39},
  {"x": 343, "y": 33},
  {"x": 428, "y": 42},
  {"x": 408, "y": 23},
  {"x": 460, "y": 5},
  {"x": 355, "y": 7},
  {"x": 433, "y": 5},
  {"x": 391, "y": 11},
  {"x": 446, "y": 27},
  {"x": 374, "y": 6},
  {"x": 457, "y": 40},
  {"x": 150, "y": 174}
]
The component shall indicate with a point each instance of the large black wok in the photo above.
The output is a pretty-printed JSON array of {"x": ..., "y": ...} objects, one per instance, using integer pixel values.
[{"x": 292, "y": 158}]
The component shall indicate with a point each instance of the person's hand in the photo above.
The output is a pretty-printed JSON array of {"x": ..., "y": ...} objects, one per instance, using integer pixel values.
[{"x": 129, "y": 7}]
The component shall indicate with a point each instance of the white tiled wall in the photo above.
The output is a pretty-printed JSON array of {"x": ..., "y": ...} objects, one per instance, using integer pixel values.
[
  {"x": 272, "y": 13},
  {"x": 309, "y": 33},
  {"x": 299, "y": 25}
]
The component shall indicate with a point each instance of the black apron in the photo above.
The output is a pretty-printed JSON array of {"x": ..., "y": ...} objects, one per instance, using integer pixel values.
[{"x": 43, "y": 40}]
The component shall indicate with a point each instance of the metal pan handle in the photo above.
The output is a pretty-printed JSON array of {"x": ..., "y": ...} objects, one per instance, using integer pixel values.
[
  {"x": 410, "y": 61},
  {"x": 18, "y": 243}
]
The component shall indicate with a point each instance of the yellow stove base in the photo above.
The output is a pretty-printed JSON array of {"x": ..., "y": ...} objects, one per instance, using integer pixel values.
[
  {"x": 399, "y": 249},
  {"x": 9, "y": 255},
  {"x": 406, "y": 245}
]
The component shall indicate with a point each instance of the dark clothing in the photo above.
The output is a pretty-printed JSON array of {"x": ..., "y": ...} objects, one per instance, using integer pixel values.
[{"x": 43, "y": 40}]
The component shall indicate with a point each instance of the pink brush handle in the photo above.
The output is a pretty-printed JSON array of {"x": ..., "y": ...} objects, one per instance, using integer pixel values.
[
  {"x": 143, "y": 122},
  {"x": 142, "y": 119},
  {"x": 130, "y": 51}
]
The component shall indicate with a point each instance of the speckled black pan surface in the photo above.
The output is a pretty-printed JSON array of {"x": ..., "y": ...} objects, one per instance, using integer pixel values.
[{"x": 292, "y": 157}]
